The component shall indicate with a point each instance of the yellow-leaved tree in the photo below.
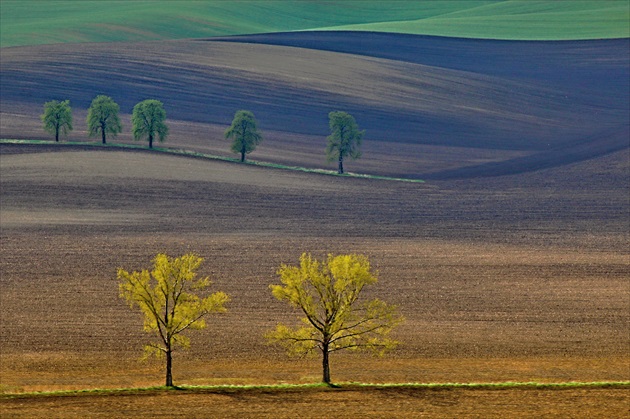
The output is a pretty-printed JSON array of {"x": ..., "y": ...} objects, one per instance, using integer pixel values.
[
  {"x": 166, "y": 296},
  {"x": 327, "y": 293}
]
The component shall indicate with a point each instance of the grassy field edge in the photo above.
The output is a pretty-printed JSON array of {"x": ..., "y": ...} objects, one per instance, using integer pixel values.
[
  {"x": 195, "y": 154},
  {"x": 324, "y": 387}
]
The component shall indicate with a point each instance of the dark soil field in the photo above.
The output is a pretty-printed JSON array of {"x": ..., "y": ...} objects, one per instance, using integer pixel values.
[
  {"x": 517, "y": 277},
  {"x": 430, "y": 106}
]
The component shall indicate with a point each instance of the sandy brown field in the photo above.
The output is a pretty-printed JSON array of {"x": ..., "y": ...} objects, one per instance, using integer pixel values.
[
  {"x": 345, "y": 403},
  {"x": 498, "y": 283},
  {"x": 510, "y": 264}
]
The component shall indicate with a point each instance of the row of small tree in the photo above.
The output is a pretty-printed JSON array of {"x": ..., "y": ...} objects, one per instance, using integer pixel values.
[
  {"x": 149, "y": 122},
  {"x": 326, "y": 293},
  {"x": 148, "y": 119}
]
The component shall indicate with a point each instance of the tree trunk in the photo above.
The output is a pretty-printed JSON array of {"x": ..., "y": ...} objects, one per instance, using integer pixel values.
[
  {"x": 150, "y": 140},
  {"x": 169, "y": 364},
  {"x": 243, "y": 142},
  {"x": 103, "y": 134},
  {"x": 57, "y": 135},
  {"x": 340, "y": 170},
  {"x": 325, "y": 365}
]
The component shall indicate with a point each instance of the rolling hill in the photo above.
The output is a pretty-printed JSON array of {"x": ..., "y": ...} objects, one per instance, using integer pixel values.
[
  {"x": 509, "y": 263},
  {"x": 469, "y": 107},
  {"x": 532, "y": 20},
  {"x": 46, "y": 22},
  {"x": 428, "y": 105}
]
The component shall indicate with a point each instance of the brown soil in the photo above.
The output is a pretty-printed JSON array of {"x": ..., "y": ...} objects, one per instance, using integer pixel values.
[
  {"x": 340, "y": 403},
  {"x": 520, "y": 277},
  {"x": 497, "y": 282}
]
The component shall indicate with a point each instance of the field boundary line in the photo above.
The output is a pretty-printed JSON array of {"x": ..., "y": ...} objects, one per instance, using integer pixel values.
[
  {"x": 196, "y": 154},
  {"x": 231, "y": 388}
]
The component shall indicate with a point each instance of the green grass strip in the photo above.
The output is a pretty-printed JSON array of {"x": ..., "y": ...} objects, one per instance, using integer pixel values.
[
  {"x": 189, "y": 153},
  {"x": 321, "y": 386}
]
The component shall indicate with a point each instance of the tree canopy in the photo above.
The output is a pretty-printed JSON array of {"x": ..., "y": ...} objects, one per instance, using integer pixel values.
[
  {"x": 327, "y": 293},
  {"x": 148, "y": 121},
  {"x": 244, "y": 133},
  {"x": 103, "y": 117},
  {"x": 57, "y": 118},
  {"x": 166, "y": 296},
  {"x": 344, "y": 140}
]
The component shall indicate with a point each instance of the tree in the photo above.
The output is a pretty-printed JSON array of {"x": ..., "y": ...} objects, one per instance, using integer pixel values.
[
  {"x": 57, "y": 117},
  {"x": 244, "y": 133},
  {"x": 163, "y": 295},
  {"x": 103, "y": 117},
  {"x": 327, "y": 294},
  {"x": 344, "y": 140},
  {"x": 148, "y": 121}
]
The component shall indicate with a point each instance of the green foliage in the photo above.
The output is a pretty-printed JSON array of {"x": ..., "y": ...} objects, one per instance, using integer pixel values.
[
  {"x": 43, "y": 21},
  {"x": 103, "y": 117},
  {"x": 57, "y": 118},
  {"x": 148, "y": 121},
  {"x": 167, "y": 298},
  {"x": 244, "y": 133},
  {"x": 344, "y": 140},
  {"x": 334, "y": 319}
]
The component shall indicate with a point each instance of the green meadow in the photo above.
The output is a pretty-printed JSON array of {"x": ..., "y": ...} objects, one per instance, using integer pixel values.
[
  {"x": 518, "y": 20},
  {"x": 49, "y": 21}
]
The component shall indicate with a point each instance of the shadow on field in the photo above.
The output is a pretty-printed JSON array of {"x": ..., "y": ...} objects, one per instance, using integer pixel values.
[{"x": 551, "y": 103}]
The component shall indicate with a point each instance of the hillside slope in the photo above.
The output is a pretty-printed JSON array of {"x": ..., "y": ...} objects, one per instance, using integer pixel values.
[
  {"x": 425, "y": 108},
  {"x": 531, "y": 20},
  {"x": 45, "y": 22}
]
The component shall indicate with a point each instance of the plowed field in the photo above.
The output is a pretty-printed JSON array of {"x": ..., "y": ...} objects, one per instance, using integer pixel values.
[
  {"x": 345, "y": 403},
  {"x": 511, "y": 264},
  {"x": 520, "y": 283},
  {"x": 432, "y": 107}
]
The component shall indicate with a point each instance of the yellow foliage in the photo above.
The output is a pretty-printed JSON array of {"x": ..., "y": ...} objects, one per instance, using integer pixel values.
[
  {"x": 327, "y": 294},
  {"x": 163, "y": 295}
]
